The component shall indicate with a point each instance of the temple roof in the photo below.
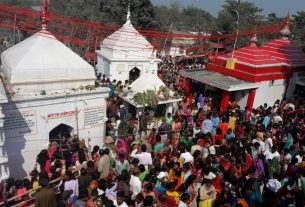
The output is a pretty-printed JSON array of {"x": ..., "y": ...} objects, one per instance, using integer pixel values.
[
  {"x": 127, "y": 43},
  {"x": 284, "y": 51},
  {"x": 253, "y": 56},
  {"x": 42, "y": 57},
  {"x": 218, "y": 80},
  {"x": 146, "y": 82}
]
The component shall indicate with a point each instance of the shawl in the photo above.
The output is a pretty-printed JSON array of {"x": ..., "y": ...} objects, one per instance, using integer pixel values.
[
  {"x": 200, "y": 99},
  {"x": 289, "y": 141}
]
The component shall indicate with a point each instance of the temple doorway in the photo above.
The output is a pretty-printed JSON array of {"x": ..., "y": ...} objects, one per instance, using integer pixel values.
[
  {"x": 61, "y": 133},
  {"x": 134, "y": 74}
]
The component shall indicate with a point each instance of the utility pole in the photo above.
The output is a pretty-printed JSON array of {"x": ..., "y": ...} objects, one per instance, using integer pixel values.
[{"x": 167, "y": 35}]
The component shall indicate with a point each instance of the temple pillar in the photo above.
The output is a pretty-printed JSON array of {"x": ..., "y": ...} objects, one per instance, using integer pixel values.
[
  {"x": 4, "y": 169},
  {"x": 169, "y": 108},
  {"x": 224, "y": 100},
  {"x": 188, "y": 86},
  {"x": 251, "y": 97}
]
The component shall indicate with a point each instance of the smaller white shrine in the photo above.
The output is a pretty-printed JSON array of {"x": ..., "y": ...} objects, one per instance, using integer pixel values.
[
  {"x": 149, "y": 82},
  {"x": 47, "y": 94},
  {"x": 126, "y": 55}
]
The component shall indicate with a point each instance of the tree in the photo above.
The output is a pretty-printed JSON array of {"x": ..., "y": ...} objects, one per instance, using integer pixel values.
[
  {"x": 196, "y": 19},
  {"x": 167, "y": 16},
  {"x": 299, "y": 25},
  {"x": 142, "y": 12},
  {"x": 19, "y": 3},
  {"x": 81, "y": 9},
  {"x": 227, "y": 18}
]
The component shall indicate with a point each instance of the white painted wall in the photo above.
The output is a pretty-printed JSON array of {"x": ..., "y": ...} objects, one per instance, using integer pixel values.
[
  {"x": 119, "y": 70},
  {"x": 27, "y": 134},
  {"x": 269, "y": 93}
]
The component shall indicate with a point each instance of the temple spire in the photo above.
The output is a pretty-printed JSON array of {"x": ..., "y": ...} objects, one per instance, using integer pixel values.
[
  {"x": 285, "y": 32},
  {"x": 128, "y": 19},
  {"x": 46, "y": 14},
  {"x": 254, "y": 41}
]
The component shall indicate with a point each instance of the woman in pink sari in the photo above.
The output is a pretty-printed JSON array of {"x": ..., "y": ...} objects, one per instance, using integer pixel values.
[
  {"x": 121, "y": 147},
  {"x": 187, "y": 114},
  {"x": 176, "y": 128}
]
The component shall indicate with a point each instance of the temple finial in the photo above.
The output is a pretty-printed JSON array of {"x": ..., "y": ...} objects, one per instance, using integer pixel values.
[
  {"x": 254, "y": 40},
  {"x": 285, "y": 32},
  {"x": 128, "y": 18},
  {"x": 46, "y": 14}
]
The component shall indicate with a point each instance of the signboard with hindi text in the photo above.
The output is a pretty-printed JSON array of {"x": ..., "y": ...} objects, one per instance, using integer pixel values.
[
  {"x": 94, "y": 117},
  {"x": 20, "y": 123}
]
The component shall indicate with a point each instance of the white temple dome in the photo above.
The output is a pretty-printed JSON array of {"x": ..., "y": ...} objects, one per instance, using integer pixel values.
[
  {"x": 41, "y": 62},
  {"x": 127, "y": 43},
  {"x": 146, "y": 82}
]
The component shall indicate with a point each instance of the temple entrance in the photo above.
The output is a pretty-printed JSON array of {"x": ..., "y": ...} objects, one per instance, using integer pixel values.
[
  {"x": 134, "y": 73},
  {"x": 60, "y": 133}
]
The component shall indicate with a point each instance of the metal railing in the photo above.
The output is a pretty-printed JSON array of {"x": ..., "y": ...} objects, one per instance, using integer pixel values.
[{"x": 32, "y": 193}]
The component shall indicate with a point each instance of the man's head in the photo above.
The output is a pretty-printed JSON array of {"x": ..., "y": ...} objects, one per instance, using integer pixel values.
[
  {"x": 120, "y": 197},
  {"x": 43, "y": 182},
  {"x": 143, "y": 148}
]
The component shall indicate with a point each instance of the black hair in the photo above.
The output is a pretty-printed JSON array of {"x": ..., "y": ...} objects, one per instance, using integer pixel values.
[
  {"x": 83, "y": 171},
  {"x": 120, "y": 194},
  {"x": 141, "y": 168},
  {"x": 143, "y": 148},
  {"x": 185, "y": 197},
  {"x": 101, "y": 152},
  {"x": 90, "y": 164},
  {"x": 148, "y": 201},
  {"x": 43, "y": 182}
]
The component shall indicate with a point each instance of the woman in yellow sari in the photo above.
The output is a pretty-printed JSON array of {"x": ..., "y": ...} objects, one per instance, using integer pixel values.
[{"x": 207, "y": 194}]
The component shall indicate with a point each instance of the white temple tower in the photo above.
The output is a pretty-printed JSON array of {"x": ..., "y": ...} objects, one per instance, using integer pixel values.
[
  {"x": 126, "y": 54},
  {"x": 46, "y": 89}
]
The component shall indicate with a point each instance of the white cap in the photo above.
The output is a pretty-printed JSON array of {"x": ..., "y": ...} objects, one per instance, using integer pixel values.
[{"x": 162, "y": 175}]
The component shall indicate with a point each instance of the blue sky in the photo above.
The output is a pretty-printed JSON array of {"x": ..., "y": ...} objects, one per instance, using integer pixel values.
[{"x": 280, "y": 7}]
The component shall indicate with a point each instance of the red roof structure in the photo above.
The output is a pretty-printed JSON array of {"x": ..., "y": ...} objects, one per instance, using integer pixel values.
[
  {"x": 253, "y": 64},
  {"x": 284, "y": 51},
  {"x": 253, "y": 56}
]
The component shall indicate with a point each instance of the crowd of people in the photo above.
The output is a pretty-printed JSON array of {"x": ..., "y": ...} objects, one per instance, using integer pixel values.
[
  {"x": 196, "y": 156},
  {"x": 169, "y": 69}
]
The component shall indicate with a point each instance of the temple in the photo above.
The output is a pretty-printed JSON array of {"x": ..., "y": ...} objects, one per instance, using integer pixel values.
[
  {"x": 47, "y": 94},
  {"x": 254, "y": 75},
  {"x": 126, "y": 54}
]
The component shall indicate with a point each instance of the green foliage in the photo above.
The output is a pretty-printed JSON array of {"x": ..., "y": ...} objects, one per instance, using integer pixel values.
[
  {"x": 299, "y": 29},
  {"x": 82, "y": 9},
  {"x": 19, "y": 3},
  {"x": 148, "y": 98},
  {"x": 248, "y": 12},
  {"x": 142, "y": 12},
  {"x": 190, "y": 18},
  {"x": 164, "y": 91}
]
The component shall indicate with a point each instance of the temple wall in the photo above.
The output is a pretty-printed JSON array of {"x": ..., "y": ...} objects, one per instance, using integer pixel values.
[
  {"x": 269, "y": 92},
  {"x": 27, "y": 125},
  {"x": 120, "y": 70}
]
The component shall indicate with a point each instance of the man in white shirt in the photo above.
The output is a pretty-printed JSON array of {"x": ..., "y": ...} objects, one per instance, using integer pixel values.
[
  {"x": 289, "y": 105},
  {"x": 207, "y": 125},
  {"x": 119, "y": 202},
  {"x": 299, "y": 157},
  {"x": 277, "y": 118},
  {"x": 135, "y": 183},
  {"x": 184, "y": 200},
  {"x": 268, "y": 144},
  {"x": 270, "y": 155},
  {"x": 143, "y": 157},
  {"x": 273, "y": 184}
]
